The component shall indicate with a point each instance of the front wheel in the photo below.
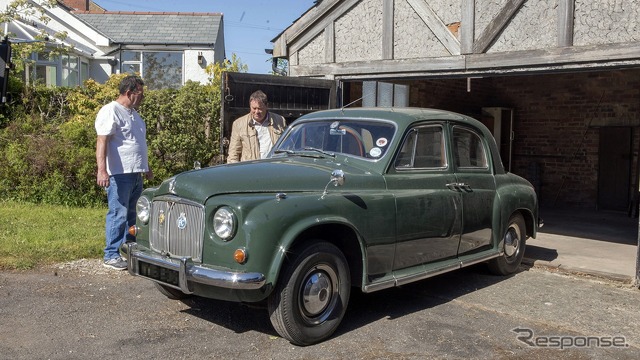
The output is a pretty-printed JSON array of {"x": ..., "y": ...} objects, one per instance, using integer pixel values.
[
  {"x": 513, "y": 245},
  {"x": 311, "y": 296}
]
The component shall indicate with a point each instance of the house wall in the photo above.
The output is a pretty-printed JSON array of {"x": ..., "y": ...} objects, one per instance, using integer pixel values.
[
  {"x": 194, "y": 71},
  {"x": 100, "y": 70}
]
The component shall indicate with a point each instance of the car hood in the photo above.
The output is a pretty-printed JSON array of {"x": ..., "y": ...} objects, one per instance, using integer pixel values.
[{"x": 291, "y": 174}]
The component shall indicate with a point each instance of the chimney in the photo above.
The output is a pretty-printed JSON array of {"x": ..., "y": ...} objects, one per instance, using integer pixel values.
[{"x": 77, "y": 5}]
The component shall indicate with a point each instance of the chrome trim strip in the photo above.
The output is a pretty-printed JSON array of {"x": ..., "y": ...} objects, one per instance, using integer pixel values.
[
  {"x": 190, "y": 273},
  {"x": 407, "y": 279}
]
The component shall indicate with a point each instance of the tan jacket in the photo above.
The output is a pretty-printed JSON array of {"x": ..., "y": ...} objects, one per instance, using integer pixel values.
[{"x": 244, "y": 145}]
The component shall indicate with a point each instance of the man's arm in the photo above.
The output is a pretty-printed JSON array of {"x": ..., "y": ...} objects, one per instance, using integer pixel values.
[
  {"x": 235, "y": 145},
  {"x": 102, "y": 178}
]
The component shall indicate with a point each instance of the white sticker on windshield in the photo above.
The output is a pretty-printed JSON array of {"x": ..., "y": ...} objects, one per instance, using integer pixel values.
[
  {"x": 382, "y": 142},
  {"x": 375, "y": 152},
  {"x": 334, "y": 124}
]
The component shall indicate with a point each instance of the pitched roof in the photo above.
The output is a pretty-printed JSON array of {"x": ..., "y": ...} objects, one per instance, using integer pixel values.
[{"x": 155, "y": 27}]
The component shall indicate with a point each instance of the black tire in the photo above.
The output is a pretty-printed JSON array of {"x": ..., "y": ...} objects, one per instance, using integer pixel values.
[
  {"x": 513, "y": 245},
  {"x": 321, "y": 272},
  {"x": 171, "y": 293}
]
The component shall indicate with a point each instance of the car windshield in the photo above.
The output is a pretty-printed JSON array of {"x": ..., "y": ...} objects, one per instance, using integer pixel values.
[{"x": 361, "y": 138}]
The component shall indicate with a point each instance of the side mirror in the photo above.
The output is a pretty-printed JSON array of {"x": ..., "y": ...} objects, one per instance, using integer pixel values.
[{"x": 337, "y": 177}]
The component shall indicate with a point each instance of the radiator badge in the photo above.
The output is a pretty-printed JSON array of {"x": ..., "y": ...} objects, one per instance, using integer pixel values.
[
  {"x": 161, "y": 217},
  {"x": 182, "y": 221}
]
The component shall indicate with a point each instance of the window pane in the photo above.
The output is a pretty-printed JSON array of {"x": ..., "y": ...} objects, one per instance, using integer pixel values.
[
  {"x": 468, "y": 149},
  {"x": 162, "y": 69},
  {"x": 45, "y": 57},
  {"x": 130, "y": 56},
  {"x": 69, "y": 78},
  {"x": 131, "y": 68},
  {"x": 423, "y": 148},
  {"x": 84, "y": 71},
  {"x": 429, "y": 148},
  {"x": 46, "y": 74},
  {"x": 73, "y": 62}
]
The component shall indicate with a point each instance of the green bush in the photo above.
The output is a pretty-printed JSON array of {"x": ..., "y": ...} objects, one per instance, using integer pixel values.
[{"x": 47, "y": 137}]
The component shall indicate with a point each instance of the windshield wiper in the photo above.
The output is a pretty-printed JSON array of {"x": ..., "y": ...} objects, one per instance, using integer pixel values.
[
  {"x": 297, "y": 153},
  {"x": 320, "y": 151},
  {"x": 287, "y": 151}
]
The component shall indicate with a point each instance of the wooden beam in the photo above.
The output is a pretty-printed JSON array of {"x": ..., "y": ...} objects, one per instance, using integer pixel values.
[
  {"x": 582, "y": 58},
  {"x": 467, "y": 26},
  {"x": 566, "y": 12},
  {"x": 495, "y": 27},
  {"x": 387, "y": 30},
  {"x": 436, "y": 25},
  {"x": 329, "y": 44}
]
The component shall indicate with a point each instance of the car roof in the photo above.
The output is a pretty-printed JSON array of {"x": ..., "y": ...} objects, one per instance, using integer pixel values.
[{"x": 400, "y": 115}]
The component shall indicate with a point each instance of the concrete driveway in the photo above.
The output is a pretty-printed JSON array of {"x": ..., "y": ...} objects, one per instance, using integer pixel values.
[{"x": 598, "y": 243}]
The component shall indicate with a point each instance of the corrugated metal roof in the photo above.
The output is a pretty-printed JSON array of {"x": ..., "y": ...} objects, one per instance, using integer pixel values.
[{"x": 155, "y": 27}]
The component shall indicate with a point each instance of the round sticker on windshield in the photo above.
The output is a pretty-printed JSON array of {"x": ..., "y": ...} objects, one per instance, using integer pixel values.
[
  {"x": 382, "y": 142},
  {"x": 375, "y": 152},
  {"x": 334, "y": 124}
]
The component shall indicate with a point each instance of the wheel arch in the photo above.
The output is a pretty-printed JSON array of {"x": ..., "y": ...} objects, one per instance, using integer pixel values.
[{"x": 339, "y": 233}]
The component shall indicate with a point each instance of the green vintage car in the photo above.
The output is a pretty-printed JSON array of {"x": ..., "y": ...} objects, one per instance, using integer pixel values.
[{"x": 350, "y": 198}]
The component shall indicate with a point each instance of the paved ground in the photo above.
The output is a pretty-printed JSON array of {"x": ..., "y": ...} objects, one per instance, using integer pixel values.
[
  {"x": 81, "y": 311},
  {"x": 596, "y": 243}
]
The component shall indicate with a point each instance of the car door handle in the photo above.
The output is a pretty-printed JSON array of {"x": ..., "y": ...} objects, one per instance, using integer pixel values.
[{"x": 459, "y": 186}]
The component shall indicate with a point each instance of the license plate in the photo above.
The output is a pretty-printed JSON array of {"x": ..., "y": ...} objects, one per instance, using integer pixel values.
[{"x": 158, "y": 273}]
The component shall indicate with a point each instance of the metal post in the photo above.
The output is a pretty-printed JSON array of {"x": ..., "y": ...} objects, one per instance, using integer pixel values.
[{"x": 637, "y": 281}]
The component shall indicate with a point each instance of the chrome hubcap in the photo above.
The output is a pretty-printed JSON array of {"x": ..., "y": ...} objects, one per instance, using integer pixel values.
[
  {"x": 511, "y": 242},
  {"x": 318, "y": 293}
]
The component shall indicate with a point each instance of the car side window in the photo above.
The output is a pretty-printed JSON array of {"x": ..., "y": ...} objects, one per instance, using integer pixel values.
[
  {"x": 468, "y": 149},
  {"x": 423, "y": 148}
]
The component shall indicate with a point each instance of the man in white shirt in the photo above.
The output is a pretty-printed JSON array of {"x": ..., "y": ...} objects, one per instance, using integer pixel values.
[{"x": 121, "y": 156}]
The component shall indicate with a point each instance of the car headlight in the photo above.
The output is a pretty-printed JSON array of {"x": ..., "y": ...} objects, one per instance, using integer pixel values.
[
  {"x": 143, "y": 209},
  {"x": 224, "y": 223}
]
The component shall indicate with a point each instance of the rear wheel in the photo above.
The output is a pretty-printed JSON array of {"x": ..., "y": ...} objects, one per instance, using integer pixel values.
[
  {"x": 311, "y": 296},
  {"x": 513, "y": 245},
  {"x": 171, "y": 293}
]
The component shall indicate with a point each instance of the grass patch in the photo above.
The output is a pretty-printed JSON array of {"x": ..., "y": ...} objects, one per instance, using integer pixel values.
[{"x": 34, "y": 234}]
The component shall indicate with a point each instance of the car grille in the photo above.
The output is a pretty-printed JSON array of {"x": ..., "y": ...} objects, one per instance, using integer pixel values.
[{"x": 177, "y": 228}]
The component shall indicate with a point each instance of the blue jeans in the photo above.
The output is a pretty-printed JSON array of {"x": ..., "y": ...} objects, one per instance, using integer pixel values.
[{"x": 122, "y": 194}]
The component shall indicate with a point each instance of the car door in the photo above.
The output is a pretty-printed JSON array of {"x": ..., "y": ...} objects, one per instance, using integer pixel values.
[
  {"x": 476, "y": 183},
  {"x": 428, "y": 212}
]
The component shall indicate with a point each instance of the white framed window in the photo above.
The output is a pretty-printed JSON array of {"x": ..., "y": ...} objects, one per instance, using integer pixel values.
[
  {"x": 159, "y": 69},
  {"x": 63, "y": 70}
]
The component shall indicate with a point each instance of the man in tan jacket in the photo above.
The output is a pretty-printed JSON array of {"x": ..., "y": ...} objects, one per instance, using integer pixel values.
[{"x": 253, "y": 135}]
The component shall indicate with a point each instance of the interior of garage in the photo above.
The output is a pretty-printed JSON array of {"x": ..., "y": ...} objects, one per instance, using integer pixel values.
[{"x": 574, "y": 136}]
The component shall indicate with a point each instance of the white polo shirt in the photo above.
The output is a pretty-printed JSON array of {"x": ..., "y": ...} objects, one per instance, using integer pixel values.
[{"x": 127, "y": 144}]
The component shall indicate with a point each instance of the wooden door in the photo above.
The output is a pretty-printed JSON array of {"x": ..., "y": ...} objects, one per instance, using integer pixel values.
[{"x": 614, "y": 170}]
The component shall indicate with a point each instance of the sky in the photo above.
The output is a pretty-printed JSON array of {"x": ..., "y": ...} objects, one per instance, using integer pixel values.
[{"x": 249, "y": 25}]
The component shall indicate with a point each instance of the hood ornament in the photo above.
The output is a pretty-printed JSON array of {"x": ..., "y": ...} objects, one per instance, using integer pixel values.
[{"x": 172, "y": 186}]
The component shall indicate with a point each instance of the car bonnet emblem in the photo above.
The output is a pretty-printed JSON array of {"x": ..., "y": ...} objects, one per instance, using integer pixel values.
[
  {"x": 182, "y": 221},
  {"x": 161, "y": 217}
]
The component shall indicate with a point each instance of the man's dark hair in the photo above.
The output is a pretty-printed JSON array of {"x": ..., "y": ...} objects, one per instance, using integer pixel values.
[
  {"x": 259, "y": 96},
  {"x": 130, "y": 83}
]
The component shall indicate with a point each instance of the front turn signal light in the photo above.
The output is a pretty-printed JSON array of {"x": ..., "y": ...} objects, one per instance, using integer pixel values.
[
  {"x": 133, "y": 230},
  {"x": 240, "y": 256}
]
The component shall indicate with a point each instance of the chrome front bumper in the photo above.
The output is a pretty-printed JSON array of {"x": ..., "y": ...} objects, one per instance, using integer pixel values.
[{"x": 187, "y": 272}]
